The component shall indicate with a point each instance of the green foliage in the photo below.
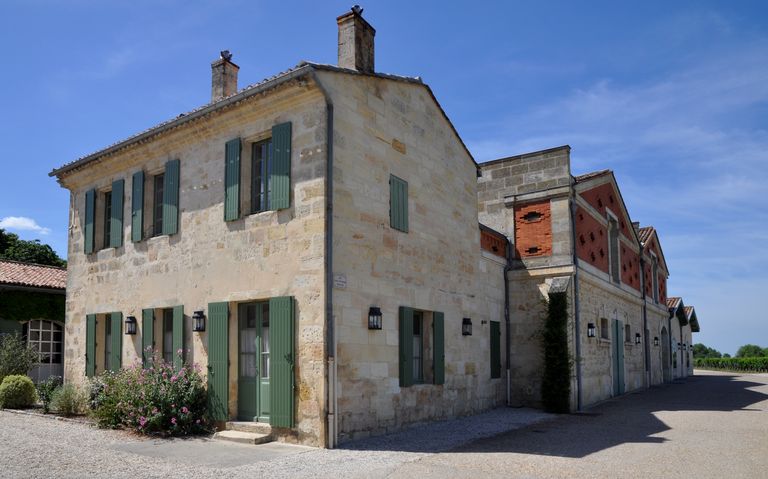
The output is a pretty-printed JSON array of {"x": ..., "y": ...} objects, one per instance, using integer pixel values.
[
  {"x": 751, "y": 365},
  {"x": 701, "y": 351},
  {"x": 24, "y": 305},
  {"x": 17, "y": 391},
  {"x": 155, "y": 400},
  {"x": 13, "y": 248},
  {"x": 751, "y": 351},
  {"x": 726, "y": 355},
  {"x": 69, "y": 400},
  {"x": 45, "y": 391},
  {"x": 556, "y": 383},
  {"x": 16, "y": 357}
]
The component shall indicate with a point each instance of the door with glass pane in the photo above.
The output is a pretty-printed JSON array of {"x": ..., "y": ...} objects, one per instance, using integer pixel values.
[{"x": 253, "y": 362}]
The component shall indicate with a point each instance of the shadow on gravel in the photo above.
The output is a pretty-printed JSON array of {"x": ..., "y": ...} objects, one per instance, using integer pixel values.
[{"x": 629, "y": 419}]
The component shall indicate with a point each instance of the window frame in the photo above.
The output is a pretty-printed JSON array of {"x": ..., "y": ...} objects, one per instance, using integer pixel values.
[
  {"x": 260, "y": 177},
  {"x": 167, "y": 334},
  {"x": 605, "y": 329},
  {"x": 54, "y": 327},
  {"x": 107, "y": 341},
  {"x": 157, "y": 203},
  {"x": 106, "y": 218},
  {"x": 418, "y": 353}
]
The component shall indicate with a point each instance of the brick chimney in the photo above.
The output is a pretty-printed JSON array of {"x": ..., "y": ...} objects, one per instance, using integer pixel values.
[
  {"x": 355, "y": 41},
  {"x": 223, "y": 77}
]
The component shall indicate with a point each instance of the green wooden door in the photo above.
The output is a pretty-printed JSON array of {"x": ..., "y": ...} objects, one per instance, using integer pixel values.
[
  {"x": 253, "y": 362},
  {"x": 218, "y": 361},
  {"x": 618, "y": 357},
  {"x": 281, "y": 360}
]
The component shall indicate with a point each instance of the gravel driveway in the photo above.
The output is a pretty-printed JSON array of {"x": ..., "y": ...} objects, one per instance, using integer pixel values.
[{"x": 42, "y": 447}]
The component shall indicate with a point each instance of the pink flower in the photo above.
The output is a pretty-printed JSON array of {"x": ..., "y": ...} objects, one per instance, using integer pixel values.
[
  {"x": 184, "y": 410},
  {"x": 197, "y": 422},
  {"x": 173, "y": 420},
  {"x": 142, "y": 421}
]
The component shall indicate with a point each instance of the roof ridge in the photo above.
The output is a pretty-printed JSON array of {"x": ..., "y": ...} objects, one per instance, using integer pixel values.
[{"x": 27, "y": 263}]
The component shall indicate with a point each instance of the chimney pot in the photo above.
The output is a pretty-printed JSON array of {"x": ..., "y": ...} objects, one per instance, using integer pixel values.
[
  {"x": 355, "y": 41},
  {"x": 223, "y": 77}
]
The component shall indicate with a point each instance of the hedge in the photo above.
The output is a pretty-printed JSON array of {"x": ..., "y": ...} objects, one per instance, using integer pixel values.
[{"x": 752, "y": 365}]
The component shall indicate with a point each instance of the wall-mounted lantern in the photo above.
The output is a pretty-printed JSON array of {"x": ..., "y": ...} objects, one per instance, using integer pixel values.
[
  {"x": 655, "y": 340},
  {"x": 591, "y": 330},
  {"x": 679, "y": 345},
  {"x": 374, "y": 317},
  {"x": 199, "y": 319},
  {"x": 130, "y": 325},
  {"x": 637, "y": 338},
  {"x": 466, "y": 327}
]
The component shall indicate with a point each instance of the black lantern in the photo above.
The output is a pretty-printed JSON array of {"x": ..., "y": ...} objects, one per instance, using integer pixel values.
[
  {"x": 679, "y": 345},
  {"x": 466, "y": 327},
  {"x": 199, "y": 319},
  {"x": 374, "y": 317},
  {"x": 591, "y": 330},
  {"x": 637, "y": 338},
  {"x": 655, "y": 340},
  {"x": 130, "y": 325}
]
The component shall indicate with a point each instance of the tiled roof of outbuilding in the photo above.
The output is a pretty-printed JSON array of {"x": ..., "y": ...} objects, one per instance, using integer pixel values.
[
  {"x": 645, "y": 233},
  {"x": 17, "y": 273},
  {"x": 674, "y": 302}
]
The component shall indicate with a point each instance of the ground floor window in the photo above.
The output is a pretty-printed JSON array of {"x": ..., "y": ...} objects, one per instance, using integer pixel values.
[{"x": 47, "y": 338}]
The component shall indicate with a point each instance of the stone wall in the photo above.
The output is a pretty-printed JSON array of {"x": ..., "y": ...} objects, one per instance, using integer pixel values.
[
  {"x": 274, "y": 253},
  {"x": 382, "y": 128}
]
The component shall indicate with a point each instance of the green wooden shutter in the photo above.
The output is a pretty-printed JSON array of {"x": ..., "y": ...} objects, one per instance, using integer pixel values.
[
  {"x": 137, "y": 206},
  {"x": 281, "y": 360},
  {"x": 88, "y": 227},
  {"x": 232, "y": 180},
  {"x": 218, "y": 361},
  {"x": 117, "y": 341},
  {"x": 116, "y": 219},
  {"x": 495, "y": 349},
  {"x": 280, "y": 178},
  {"x": 406, "y": 346},
  {"x": 398, "y": 203},
  {"x": 90, "y": 345},
  {"x": 171, "y": 198},
  {"x": 147, "y": 336},
  {"x": 438, "y": 327},
  {"x": 178, "y": 336}
]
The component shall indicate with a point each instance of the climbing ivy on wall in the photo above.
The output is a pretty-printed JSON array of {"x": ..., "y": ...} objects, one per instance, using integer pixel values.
[
  {"x": 556, "y": 384},
  {"x": 23, "y": 306}
]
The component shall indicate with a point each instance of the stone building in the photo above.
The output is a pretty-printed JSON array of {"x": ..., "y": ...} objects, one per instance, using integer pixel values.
[
  {"x": 682, "y": 324},
  {"x": 312, "y": 240},
  {"x": 576, "y": 230},
  {"x": 32, "y": 306}
]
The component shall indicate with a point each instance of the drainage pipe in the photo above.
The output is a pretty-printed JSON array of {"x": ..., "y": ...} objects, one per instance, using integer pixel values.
[
  {"x": 330, "y": 330},
  {"x": 646, "y": 333},
  {"x": 576, "y": 314},
  {"x": 507, "y": 333}
]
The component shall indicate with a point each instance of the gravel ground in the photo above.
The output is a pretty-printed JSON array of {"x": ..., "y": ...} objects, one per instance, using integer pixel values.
[{"x": 42, "y": 447}]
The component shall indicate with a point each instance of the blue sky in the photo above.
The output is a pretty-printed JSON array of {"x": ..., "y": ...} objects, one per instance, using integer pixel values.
[{"x": 673, "y": 96}]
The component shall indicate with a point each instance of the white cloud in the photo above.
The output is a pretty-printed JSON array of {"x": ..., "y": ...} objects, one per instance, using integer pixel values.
[{"x": 21, "y": 223}]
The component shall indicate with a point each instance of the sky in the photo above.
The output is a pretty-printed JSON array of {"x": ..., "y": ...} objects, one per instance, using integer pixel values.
[{"x": 672, "y": 96}]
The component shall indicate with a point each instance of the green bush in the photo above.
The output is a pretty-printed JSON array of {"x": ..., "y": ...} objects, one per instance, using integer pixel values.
[
  {"x": 16, "y": 357},
  {"x": 556, "y": 383},
  {"x": 45, "y": 391},
  {"x": 154, "y": 400},
  {"x": 17, "y": 391},
  {"x": 69, "y": 400},
  {"x": 750, "y": 365}
]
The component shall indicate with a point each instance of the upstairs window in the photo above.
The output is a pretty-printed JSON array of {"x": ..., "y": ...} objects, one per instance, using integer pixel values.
[
  {"x": 158, "y": 182},
  {"x": 261, "y": 170},
  {"x": 107, "y": 202},
  {"x": 398, "y": 203}
]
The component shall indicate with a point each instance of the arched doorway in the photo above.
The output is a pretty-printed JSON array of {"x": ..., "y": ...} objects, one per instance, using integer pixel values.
[{"x": 665, "y": 355}]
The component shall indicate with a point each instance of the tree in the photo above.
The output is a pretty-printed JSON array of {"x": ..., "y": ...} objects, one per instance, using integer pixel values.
[
  {"x": 726, "y": 355},
  {"x": 701, "y": 351},
  {"x": 750, "y": 351},
  {"x": 13, "y": 248}
]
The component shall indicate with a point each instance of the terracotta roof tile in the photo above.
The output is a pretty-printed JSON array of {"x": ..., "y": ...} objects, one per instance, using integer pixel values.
[
  {"x": 34, "y": 275},
  {"x": 645, "y": 233},
  {"x": 674, "y": 302}
]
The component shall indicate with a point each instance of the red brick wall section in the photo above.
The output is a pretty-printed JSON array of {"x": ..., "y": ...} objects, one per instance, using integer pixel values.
[
  {"x": 662, "y": 289},
  {"x": 493, "y": 243},
  {"x": 604, "y": 196},
  {"x": 648, "y": 283},
  {"x": 630, "y": 267},
  {"x": 533, "y": 230},
  {"x": 591, "y": 240}
]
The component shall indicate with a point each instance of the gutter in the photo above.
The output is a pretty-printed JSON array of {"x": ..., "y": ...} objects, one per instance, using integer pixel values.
[
  {"x": 576, "y": 315},
  {"x": 330, "y": 330},
  {"x": 647, "y": 346},
  {"x": 507, "y": 334}
]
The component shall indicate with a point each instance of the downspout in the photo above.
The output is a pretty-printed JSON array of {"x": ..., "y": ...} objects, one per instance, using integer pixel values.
[
  {"x": 647, "y": 357},
  {"x": 507, "y": 334},
  {"x": 330, "y": 330},
  {"x": 576, "y": 315}
]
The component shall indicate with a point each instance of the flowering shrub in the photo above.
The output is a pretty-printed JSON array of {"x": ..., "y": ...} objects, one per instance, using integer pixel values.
[{"x": 154, "y": 400}]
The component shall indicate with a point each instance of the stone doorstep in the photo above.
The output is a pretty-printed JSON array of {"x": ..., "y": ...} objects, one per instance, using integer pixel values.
[
  {"x": 249, "y": 426},
  {"x": 242, "y": 437}
]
